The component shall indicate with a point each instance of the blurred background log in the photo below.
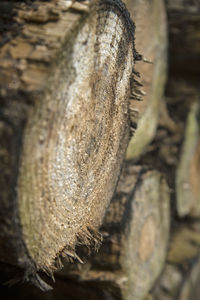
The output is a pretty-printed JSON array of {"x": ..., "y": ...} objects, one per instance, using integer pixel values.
[
  {"x": 188, "y": 170},
  {"x": 183, "y": 88},
  {"x": 180, "y": 277},
  {"x": 136, "y": 233},
  {"x": 151, "y": 42}
]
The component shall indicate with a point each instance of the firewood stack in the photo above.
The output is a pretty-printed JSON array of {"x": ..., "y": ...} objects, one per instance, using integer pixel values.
[{"x": 148, "y": 245}]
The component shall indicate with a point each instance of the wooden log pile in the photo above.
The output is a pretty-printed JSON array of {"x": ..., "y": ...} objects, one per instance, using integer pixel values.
[{"x": 145, "y": 244}]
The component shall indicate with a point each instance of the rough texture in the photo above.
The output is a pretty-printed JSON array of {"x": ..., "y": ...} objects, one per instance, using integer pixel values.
[
  {"x": 76, "y": 137},
  {"x": 145, "y": 246},
  {"x": 136, "y": 232},
  {"x": 65, "y": 79},
  {"x": 29, "y": 45}
]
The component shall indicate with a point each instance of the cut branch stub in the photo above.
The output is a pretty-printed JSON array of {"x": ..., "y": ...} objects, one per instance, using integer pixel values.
[{"x": 76, "y": 136}]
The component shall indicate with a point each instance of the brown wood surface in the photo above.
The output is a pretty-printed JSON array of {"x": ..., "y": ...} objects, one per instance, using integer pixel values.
[
  {"x": 65, "y": 125},
  {"x": 151, "y": 42},
  {"x": 30, "y": 44},
  {"x": 151, "y": 230},
  {"x": 188, "y": 170},
  {"x": 136, "y": 233}
]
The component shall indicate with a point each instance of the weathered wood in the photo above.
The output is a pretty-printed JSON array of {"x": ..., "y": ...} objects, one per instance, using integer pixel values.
[
  {"x": 151, "y": 42},
  {"x": 65, "y": 89},
  {"x": 136, "y": 231},
  {"x": 29, "y": 47},
  {"x": 136, "y": 226},
  {"x": 77, "y": 136}
]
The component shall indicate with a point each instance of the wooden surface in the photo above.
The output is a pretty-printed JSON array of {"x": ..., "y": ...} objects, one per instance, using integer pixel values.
[
  {"x": 151, "y": 42},
  {"x": 65, "y": 106},
  {"x": 140, "y": 257},
  {"x": 30, "y": 45},
  {"x": 76, "y": 137},
  {"x": 136, "y": 233},
  {"x": 188, "y": 171}
]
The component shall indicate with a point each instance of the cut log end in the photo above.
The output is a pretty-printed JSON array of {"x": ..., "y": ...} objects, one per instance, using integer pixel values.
[
  {"x": 76, "y": 137},
  {"x": 71, "y": 74},
  {"x": 135, "y": 246}
]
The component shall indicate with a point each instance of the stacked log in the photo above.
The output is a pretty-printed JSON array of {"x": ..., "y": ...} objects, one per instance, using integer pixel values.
[
  {"x": 180, "y": 277},
  {"x": 151, "y": 42},
  {"x": 148, "y": 244},
  {"x": 136, "y": 233}
]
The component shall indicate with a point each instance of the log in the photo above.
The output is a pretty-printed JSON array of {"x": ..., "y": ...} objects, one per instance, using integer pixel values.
[
  {"x": 184, "y": 24},
  {"x": 65, "y": 94},
  {"x": 135, "y": 260},
  {"x": 190, "y": 288},
  {"x": 28, "y": 50},
  {"x": 136, "y": 232},
  {"x": 180, "y": 278},
  {"x": 151, "y": 42},
  {"x": 68, "y": 157},
  {"x": 183, "y": 89},
  {"x": 188, "y": 170}
]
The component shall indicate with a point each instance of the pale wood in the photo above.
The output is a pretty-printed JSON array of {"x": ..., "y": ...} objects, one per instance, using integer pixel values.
[
  {"x": 151, "y": 42},
  {"x": 65, "y": 94},
  {"x": 188, "y": 170},
  {"x": 136, "y": 232},
  {"x": 30, "y": 49}
]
